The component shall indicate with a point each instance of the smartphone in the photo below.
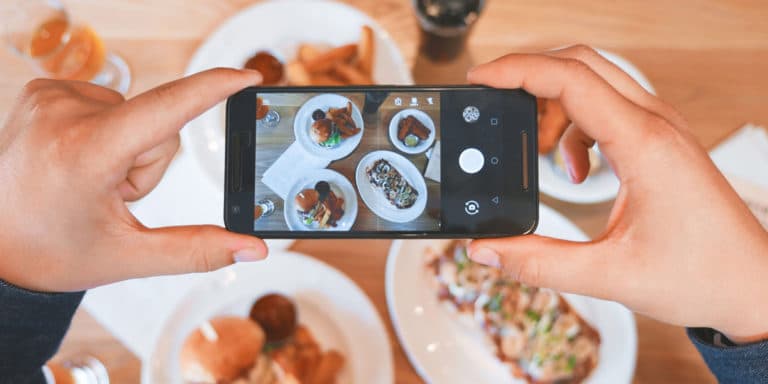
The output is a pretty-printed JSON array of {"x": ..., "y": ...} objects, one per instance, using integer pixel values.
[{"x": 381, "y": 162}]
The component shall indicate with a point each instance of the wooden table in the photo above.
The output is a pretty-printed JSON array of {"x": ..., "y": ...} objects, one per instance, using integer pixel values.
[{"x": 707, "y": 58}]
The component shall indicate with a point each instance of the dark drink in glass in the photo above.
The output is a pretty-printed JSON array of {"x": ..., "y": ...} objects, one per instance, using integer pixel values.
[{"x": 445, "y": 25}]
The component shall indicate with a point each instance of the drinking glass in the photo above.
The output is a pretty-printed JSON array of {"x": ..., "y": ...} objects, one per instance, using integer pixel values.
[
  {"x": 445, "y": 25},
  {"x": 42, "y": 32},
  {"x": 263, "y": 208},
  {"x": 76, "y": 370},
  {"x": 266, "y": 117}
]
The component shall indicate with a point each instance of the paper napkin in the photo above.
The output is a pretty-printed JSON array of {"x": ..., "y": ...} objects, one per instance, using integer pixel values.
[{"x": 287, "y": 169}]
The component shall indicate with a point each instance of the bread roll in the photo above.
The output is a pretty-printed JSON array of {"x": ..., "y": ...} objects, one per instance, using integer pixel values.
[
  {"x": 232, "y": 353},
  {"x": 306, "y": 199}
]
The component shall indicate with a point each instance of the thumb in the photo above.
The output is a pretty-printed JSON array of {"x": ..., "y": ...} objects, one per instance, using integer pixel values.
[
  {"x": 199, "y": 248},
  {"x": 577, "y": 267}
]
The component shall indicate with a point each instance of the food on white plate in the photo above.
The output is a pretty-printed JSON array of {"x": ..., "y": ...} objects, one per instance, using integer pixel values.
[
  {"x": 319, "y": 205},
  {"x": 411, "y": 132},
  {"x": 221, "y": 350},
  {"x": 232, "y": 350},
  {"x": 348, "y": 64},
  {"x": 594, "y": 161},
  {"x": 330, "y": 127},
  {"x": 269, "y": 66},
  {"x": 304, "y": 360},
  {"x": 389, "y": 181},
  {"x": 533, "y": 330}
]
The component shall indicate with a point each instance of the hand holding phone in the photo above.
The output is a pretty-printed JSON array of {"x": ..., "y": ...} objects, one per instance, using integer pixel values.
[
  {"x": 381, "y": 162},
  {"x": 679, "y": 245}
]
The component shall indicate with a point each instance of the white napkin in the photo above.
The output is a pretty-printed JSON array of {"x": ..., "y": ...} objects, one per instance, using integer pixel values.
[
  {"x": 744, "y": 154},
  {"x": 283, "y": 173},
  {"x": 433, "y": 166},
  {"x": 743, "y": 159}
]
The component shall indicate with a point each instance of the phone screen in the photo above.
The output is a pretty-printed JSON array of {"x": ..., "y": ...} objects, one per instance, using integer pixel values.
[{"x": 390, "y": 161}]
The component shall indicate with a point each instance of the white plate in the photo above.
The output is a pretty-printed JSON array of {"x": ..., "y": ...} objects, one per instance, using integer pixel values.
[
  {"x": 421, "y": 117},
  {"x": 601, "y": 186},
  {"x": 374, "y": 198},
  {"x": 337, "y": 312},
  {"x": 339, "y": 185},
  {"x": 279, "y": 27},
  {"x": 302, "y": 123},
  {"x": 443, "y": 349}
]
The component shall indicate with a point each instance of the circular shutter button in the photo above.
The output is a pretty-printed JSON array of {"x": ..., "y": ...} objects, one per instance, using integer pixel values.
[{"x": 471, "y": 160}]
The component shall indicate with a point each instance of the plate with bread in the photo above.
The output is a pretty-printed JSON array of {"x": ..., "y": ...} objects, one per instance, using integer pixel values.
[
  {"x": 294, "y": 42},
  {"x": 462, "y": 322},
  {"x": 288, "y": 319},
  {"x": 328, "y": 126},
  {"x": 601, "y": 184}
]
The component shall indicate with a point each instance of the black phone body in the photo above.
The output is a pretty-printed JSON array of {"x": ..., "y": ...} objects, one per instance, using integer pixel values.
[{"x": 381, "y": 162}]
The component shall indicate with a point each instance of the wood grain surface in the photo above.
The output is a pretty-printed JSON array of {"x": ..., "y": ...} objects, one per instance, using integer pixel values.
[{"x": 706, "y": 57}]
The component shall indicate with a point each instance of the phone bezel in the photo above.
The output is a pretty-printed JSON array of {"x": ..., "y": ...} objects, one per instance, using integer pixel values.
[{"x": 236, "y": 118}]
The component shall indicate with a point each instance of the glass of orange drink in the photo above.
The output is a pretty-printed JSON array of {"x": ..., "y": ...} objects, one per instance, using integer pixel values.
[{"x": 42, "y": 32}]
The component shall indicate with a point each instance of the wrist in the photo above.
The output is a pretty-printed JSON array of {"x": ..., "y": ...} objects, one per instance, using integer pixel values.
[{"x": 748, "y": 323}]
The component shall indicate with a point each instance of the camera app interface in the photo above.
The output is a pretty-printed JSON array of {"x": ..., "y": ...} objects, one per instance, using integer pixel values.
[{"x": 354, "y": 161}]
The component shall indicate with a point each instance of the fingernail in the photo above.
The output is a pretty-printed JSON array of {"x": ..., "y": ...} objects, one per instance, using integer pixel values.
[
  {"x": 571, "y": 172},
  {"x": 249, "y": 254},
  {"x": 485, "y": 256},
  {"x": 254, "y": 73}
]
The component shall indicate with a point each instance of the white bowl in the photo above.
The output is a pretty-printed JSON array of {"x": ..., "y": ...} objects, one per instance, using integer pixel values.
[{"x": 421, "y": 117}]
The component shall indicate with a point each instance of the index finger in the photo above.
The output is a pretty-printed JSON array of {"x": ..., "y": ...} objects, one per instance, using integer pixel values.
[
  {"x": 590, "y": 102},
  {"x": 154, "y": 116}
]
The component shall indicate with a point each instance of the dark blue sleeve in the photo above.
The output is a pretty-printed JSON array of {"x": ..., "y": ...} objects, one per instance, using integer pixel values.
[
  {"x": 32, "y": 325},
  {"x": 730, "y": 363}
]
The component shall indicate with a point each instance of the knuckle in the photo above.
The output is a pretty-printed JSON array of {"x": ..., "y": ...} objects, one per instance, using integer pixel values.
[
  {"x": 526, "y": 271},
  {"x": 582, "y": 52},
  {"x": 203, "y": 258},
  {"x": 34, "y": 85},
  {"x": 659, "y": 130},
  {"x": 164, "y": 92},
  {"x": 577, "y": 66}
]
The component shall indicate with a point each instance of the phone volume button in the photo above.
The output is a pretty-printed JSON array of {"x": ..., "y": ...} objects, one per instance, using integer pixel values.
[{"x": 235, "y": 164}]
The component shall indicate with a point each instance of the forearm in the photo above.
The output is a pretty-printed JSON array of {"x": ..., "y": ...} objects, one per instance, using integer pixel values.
[
  {"x": 32, "y": 325},
  {"x": 730, "y": 363}
]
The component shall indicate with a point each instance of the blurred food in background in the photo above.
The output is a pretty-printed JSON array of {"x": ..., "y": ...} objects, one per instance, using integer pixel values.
[
  {"x": 533, "y": 330},
  {"x": 268, "y": 347},
  {"x": 42, "y": 32},
  {"x": 348, "y": 64}
]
